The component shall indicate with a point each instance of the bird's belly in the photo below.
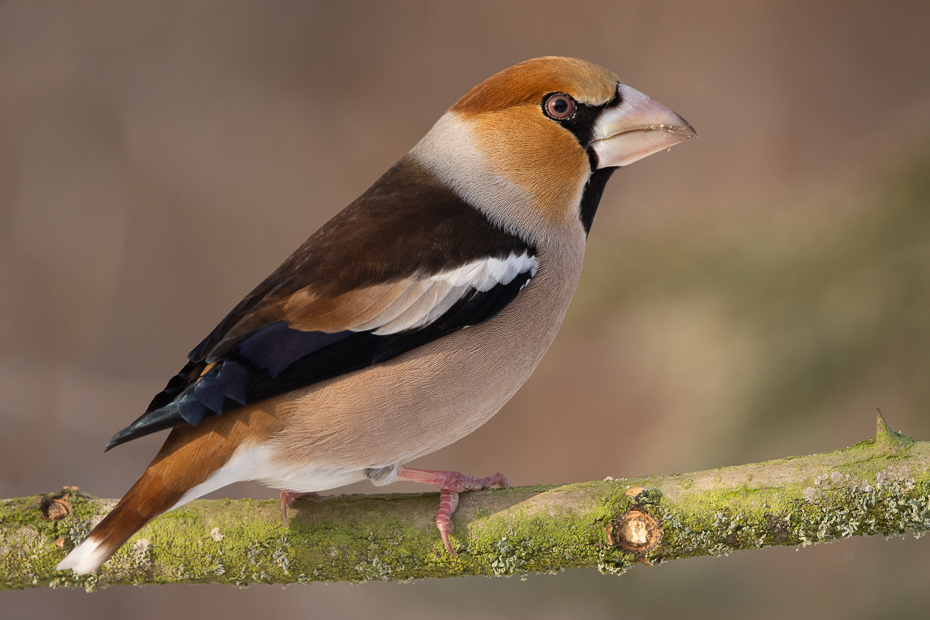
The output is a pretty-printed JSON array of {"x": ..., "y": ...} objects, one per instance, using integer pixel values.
[{"x": 259, "y": 462}]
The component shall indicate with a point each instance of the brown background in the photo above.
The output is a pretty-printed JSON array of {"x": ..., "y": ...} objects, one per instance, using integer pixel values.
[{"x": 752, "y": 294}]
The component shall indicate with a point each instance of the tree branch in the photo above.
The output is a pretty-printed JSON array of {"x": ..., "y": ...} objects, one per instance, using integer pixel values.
[{"x": 878, "y": 486}]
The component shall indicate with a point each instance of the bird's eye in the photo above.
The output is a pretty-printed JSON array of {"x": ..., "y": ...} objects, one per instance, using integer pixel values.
[{"x": 559, "y": 106}]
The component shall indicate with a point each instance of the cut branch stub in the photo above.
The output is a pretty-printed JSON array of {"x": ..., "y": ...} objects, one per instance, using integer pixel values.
[{"x": 635, "y": 531}]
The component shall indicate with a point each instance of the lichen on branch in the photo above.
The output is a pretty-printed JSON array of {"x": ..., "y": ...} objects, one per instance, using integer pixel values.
[{"x": 878, "y": 486}]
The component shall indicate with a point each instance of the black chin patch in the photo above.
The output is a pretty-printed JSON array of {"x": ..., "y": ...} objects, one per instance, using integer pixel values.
[{"x": 591, "y": 197}]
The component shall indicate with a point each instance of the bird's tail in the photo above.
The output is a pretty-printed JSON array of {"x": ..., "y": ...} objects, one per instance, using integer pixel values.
[
  {"x": 148, "y": 498},
  {"x": 190, "y": 455}
]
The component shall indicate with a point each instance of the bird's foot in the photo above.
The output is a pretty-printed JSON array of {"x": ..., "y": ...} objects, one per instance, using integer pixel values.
[
  {"x": 288, "y": 498},
  {"x": 450, "y": 484}
]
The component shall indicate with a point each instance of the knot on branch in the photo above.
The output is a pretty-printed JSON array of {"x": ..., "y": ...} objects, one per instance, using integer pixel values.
[{"x": 56, "y": 507}]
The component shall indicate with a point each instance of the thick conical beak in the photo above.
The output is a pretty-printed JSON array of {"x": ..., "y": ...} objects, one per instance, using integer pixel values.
[{"x": 635, "y": 128}]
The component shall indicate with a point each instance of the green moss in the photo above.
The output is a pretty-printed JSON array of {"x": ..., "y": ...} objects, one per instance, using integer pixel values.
[
  {"x": 861, "y": 490},
  {"x": 878, "y": 486}
]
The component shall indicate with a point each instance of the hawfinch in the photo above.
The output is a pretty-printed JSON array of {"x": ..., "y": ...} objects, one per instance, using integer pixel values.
[{"x": 411, "y": 317}]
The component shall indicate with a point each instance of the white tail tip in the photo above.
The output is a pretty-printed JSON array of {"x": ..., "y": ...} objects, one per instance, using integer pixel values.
[{"x": 85, "y": 558}]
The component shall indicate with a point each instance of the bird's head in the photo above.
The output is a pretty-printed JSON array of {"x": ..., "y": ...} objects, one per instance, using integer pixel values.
[{"x": 533, "y": 145}]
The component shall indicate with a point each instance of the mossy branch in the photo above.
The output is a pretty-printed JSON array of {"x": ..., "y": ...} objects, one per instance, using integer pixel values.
[{"x": 878, "y": 486}]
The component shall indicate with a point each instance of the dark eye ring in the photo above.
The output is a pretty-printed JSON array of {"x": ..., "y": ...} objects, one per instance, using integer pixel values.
[{"x": 559, "y": 106}]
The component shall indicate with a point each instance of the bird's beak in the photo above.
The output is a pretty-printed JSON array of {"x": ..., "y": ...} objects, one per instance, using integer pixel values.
[{"x": 636, "y": 128}]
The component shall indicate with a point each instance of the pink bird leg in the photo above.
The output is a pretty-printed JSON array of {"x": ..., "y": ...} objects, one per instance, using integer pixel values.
[{"x": 450, "y": 484}]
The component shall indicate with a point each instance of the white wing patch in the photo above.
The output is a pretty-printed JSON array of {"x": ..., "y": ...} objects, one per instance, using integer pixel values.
[
  {"x": 427, "y": 300},
  {"x": 485, "y": 274}
]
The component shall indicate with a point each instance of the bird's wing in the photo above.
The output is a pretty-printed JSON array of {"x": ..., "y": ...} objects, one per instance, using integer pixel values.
[{"x": 385, "y": 276}]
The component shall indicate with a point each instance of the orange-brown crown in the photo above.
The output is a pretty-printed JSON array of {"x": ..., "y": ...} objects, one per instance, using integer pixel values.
[{"x": 528, "y": 81}]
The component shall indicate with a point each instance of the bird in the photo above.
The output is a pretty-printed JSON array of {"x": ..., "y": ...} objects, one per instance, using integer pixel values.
[{"x": 411, "y": 317}]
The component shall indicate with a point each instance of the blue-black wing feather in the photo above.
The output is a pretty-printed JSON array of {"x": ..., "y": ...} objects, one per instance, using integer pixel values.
[{"x": 313, "y": 357}]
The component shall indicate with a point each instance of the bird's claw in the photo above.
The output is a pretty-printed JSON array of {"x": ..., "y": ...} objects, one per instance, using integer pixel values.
[{"x": 288, "y": 498}]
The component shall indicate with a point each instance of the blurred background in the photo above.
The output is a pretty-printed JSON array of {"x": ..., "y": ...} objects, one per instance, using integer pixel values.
[{"x": 753, "y": 294}]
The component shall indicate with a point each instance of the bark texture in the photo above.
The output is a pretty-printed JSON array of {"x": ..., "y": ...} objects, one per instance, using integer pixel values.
[{"x": 878, "y": 486}]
